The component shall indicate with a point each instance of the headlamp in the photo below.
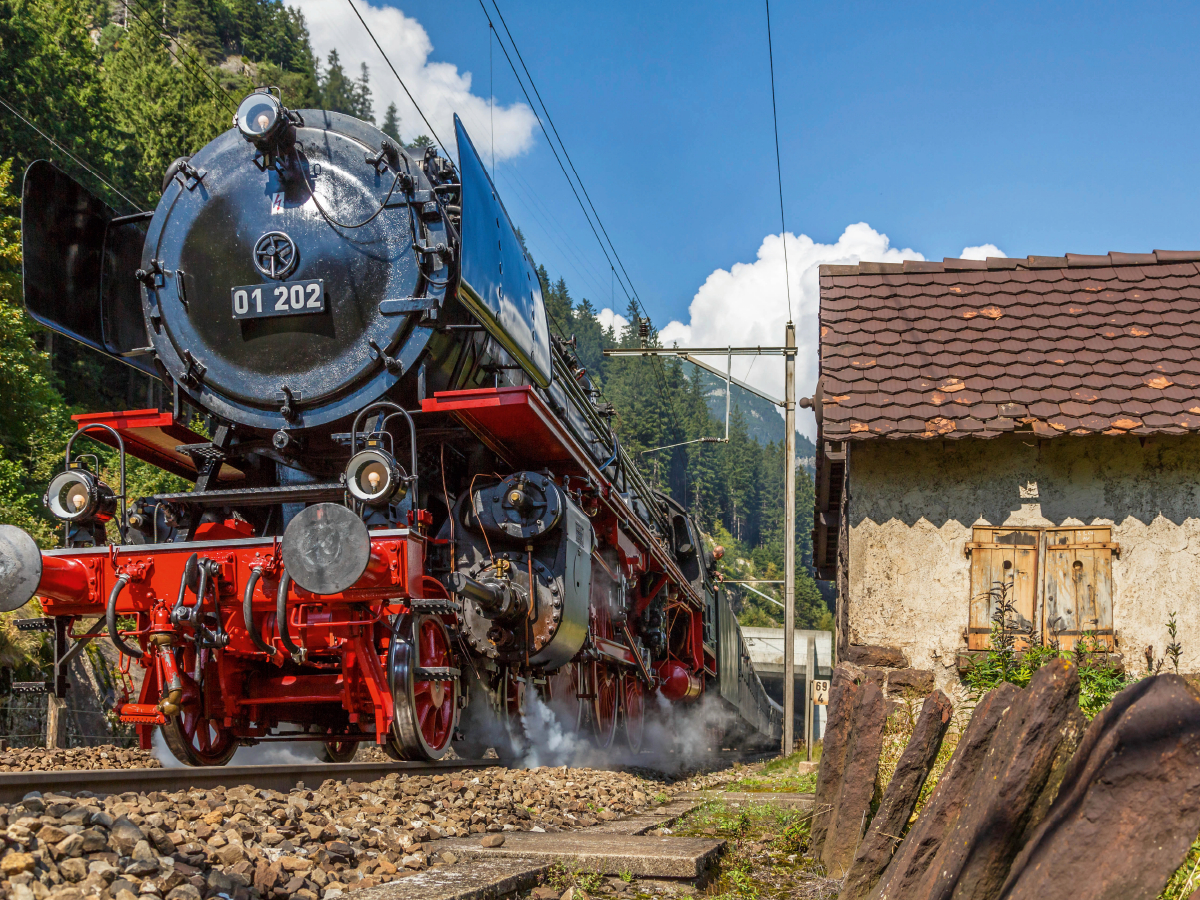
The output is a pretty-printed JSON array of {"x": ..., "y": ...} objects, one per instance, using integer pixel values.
[
  {"x": 261, "y": 119},
  {"x": 77, "y": 495},
  {"x": 375, "y": 478}
]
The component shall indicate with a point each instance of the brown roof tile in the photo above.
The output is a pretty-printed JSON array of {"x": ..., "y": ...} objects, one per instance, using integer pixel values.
[{"x": 1061, "y": 344}]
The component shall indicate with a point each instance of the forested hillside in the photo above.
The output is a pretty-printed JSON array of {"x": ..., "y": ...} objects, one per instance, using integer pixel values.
[{"x": 126, "y": 87}]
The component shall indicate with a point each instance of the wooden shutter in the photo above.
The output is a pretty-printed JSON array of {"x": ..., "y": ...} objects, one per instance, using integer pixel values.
[
  {"x": 1000, "y": 556},
  {"x": 1079, "y": 585}
]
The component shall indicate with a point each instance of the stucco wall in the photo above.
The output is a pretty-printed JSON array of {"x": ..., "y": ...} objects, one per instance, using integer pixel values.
[{"x": 912, "y": 508}]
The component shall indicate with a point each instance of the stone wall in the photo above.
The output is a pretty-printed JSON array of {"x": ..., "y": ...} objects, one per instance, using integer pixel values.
[{"x": 913, "y": 505}]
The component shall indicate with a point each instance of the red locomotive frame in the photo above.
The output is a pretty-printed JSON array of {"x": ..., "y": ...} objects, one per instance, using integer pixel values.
[{"x": 335, "y": 678}]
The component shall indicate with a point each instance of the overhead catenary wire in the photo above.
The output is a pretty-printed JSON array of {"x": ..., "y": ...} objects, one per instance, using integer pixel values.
[
  {"x": 68, "y": 154},
  {"x": 633, "y": 298},
  {"x": 411, "y": 99},
  {"x": 787, "y": 278},
  {"x": 570, "y": 162},
  {"x": 197, "y": 65}
]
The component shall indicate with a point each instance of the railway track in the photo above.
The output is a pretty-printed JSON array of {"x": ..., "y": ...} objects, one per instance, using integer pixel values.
[{"x": 15, "y": 785}]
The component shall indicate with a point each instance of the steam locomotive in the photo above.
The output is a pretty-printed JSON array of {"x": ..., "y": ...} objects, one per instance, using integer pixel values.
[{"x": 409, "y": 510}]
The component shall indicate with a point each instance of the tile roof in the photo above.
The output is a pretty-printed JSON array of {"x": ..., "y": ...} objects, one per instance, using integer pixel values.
[{"x": 1053, "y": 344}]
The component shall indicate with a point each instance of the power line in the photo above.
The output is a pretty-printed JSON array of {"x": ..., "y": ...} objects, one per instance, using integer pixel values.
[
  {"x": 634, "y": 299},
  {"x": 416, "y": 106},
  {"x": 778, "y": 166},
  {"x": 571, "y": 163},
  {"x": 68, "y": 153},
  {"x": 197, "y": 65}
]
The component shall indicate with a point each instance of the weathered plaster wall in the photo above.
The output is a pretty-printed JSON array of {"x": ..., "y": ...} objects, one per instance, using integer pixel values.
[{"x": 913, "y": 505}]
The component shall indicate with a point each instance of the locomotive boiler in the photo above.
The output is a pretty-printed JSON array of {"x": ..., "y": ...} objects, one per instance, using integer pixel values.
[{"x": 407, "y": 508}]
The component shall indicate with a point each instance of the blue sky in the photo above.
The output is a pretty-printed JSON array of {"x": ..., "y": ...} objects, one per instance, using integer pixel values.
[{"x": 1037, "y": 128}]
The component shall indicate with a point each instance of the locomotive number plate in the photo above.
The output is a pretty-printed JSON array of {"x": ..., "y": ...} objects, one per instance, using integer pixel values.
[{"x": 288, "y": 298}]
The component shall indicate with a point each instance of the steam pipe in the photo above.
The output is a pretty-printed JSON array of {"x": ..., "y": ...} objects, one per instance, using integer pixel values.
[
  {"x": 110, "y": 614},
  {"x": 281, "y": 620},
  {"x": 494, "y": 599},
  {"x": 486, "y": 595},
  {"x": 248, "y": 613}
]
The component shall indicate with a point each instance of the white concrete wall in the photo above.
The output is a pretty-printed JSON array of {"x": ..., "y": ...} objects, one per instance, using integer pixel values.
[
  {"x": 913, "y": 505},
  {"x": 766, "y": 646}
]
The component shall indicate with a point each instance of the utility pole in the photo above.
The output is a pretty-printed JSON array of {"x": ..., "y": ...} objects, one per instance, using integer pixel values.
[
  {"x": 789, "y": 540},
  {"x": 788, "y": 352}
]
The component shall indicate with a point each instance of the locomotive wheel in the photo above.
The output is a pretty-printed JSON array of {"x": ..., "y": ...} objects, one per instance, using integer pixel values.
[
  {"x": 563, "y": 688},
  {"x": 606, "y": 684},
  {"x": 338, "y": 751},
  {"x": 633, "y": 710},
  {"x": 512, "y": 711},
  {"x": 426, "y": 708},
  {"x": 192, "y": 738}
]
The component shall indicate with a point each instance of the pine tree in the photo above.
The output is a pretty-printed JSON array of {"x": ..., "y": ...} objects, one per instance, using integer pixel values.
[
  {"x": 391, "y": 124},
  {"x": 50, "y": 71},
  {"x": 363, "y": 106},
  {"x": 184, "y": 115},
  {"x": 34, "y": 419},
  {"x": 338, "y": 93}
]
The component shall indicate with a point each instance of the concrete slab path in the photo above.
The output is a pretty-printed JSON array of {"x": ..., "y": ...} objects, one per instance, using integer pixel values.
[
  {"x": 645, "y": 856},
  {"x": 474, "y": 879}
]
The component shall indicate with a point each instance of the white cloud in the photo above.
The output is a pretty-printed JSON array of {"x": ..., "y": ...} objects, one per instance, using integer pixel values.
[
  {"x": 746, "y": 305},
  {"x": 609, "y": 319},
  {"x": 983, "y": 251},
  {"x": 438, "y": 87}
]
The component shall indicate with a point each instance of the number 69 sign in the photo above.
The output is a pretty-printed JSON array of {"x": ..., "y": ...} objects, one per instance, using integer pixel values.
[{"x": 821, "y": 692}]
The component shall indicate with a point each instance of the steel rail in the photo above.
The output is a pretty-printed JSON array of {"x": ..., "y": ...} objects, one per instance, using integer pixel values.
[{"x": 15, "y": 785}]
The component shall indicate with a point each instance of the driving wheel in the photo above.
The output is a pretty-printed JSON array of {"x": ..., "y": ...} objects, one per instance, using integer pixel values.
[
  {"x": 604, "y": 707},
  {"x": 563, "y": 688},
  {"x": 425, "y": 686},
  {"x": 633, "y": 709},
  {"x": 338, "y": 751}
]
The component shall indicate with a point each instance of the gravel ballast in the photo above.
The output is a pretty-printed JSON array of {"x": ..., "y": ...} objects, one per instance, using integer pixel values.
[
  {"x": 242, "y": 842},
  {"x": 38, "y": 759}
]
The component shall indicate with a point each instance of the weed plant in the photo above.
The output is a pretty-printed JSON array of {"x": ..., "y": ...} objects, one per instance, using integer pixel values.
[
  {"x": 764, "y": 858},
  {"x": 1099, "y": 682}
]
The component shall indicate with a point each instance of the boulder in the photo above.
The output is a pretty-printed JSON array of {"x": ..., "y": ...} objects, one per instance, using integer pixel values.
[
  {"x": 845, "y": 689},
  {"x": 899, "y": 799},
  {"x": 1028, "y": 753},
  {"x": 871, "y": 655},
  {"x": 851, "y": 811},
  {"x": 1133, "y": 783},
  {"x": 953, "y": 789},
  {"x": 917, "y": 682}
]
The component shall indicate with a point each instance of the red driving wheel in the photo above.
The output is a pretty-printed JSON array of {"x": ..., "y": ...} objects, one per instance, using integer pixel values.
[
  {"x": 604, "y": 710},
  {"x": 425, "y": 687},
  {"x": 563, "y": 689},
  {"x": 434, "y": 700},
  {"x": 633, "y": 709}
]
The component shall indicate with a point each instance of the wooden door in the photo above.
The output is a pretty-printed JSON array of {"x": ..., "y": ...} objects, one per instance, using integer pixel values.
[
  {"x": 1079, "y": 585},
  {"x": 1003, "y": 561}
]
